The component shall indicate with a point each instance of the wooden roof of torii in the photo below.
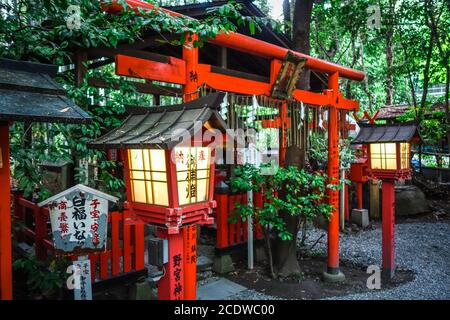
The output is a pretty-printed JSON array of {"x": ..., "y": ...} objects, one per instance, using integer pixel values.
[
  {"x": 254, "y": 46},
  {"x": 174, "y": 70}
]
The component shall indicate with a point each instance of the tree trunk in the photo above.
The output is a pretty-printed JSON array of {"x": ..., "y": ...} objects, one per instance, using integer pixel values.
[
  {"x": 426, "y": 78},
  {"x": 287, "y": 17},
  {"x": 433, "y": 22},
  {"x": 447, "y": 106},
  {"x": 410, "y": 77},
  {"x": 366, "y": 81},
  {"x": 285, "y": 252},
  {"x": 301, "y": 33},
  {"x": 390, "y": 54}
]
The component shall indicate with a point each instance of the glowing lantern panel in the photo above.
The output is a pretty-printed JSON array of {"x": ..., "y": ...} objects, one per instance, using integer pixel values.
[
  {"x": 383, "y": 156},
  {"x": 193, "y": 172},
  {"x": 148, "y": 176},
  {"x": 405, "y": 155}
]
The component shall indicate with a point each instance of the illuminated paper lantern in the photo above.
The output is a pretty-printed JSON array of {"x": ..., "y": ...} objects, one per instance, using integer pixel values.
[{"x": 169, "y": 169}]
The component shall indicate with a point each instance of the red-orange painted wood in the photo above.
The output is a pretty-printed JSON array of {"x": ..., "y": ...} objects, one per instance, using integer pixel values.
[
  {"x": 19, "y": 215},
  {"x": 126, "y": 243},
  {"x": 40, "y": 229},
  {"x": 139, "y": 246},
  {"x": 189, "y": 233},
  {"x": 333, "y": 176},
  {"x": 192, "y": 76},
  {"x": 174, "y": 72},
  {"x": 232, "y": 84},
  {"x": 254, "y": 46},
  {"x": 221, "y": 220},
  {"x": 359, "y": 194},
  {"x": 104, "y": 263},
  {"x": 388, "y": 227},
  {"x": 190, "y": 261},
  {"x": 171, "y": 286},
  {"x": 94, "y": 259},
  {"x": 231, "y": 226},
  {"x": 115, "y": 243},
  {"x": 5, "y": 217}
]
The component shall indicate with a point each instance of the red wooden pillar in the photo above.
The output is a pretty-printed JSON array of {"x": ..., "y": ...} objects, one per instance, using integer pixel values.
[
  {"x": 190, "y": 262},
  {"x": 189, "y": 233},
  {"x": 333, "y": 176},
  {"x": 5, "y": 216},
  {"x": 171, "y": 286},
  {"x": 40, "y": 230},
  {"x": 388, "y": 228},
  {"x": 359, "y": 194},
  {"x": 222, "y": 219},
  {"x": 190, "y": 56}
]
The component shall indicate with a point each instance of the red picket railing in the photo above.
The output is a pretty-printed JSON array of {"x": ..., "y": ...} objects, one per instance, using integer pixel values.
[
  {"x": 231, "y": 234},
  {"x": 124, "y": 253}
]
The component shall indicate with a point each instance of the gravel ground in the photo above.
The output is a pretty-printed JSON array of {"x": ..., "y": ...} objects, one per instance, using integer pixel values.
[{"x": 421, "y": 247}]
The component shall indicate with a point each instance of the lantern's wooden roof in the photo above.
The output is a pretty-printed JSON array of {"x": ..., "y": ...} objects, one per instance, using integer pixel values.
[
  {"x": 374, "y": 133},
  {"x": 28, "y": 93},
  {"x": 164, "y": 127}
]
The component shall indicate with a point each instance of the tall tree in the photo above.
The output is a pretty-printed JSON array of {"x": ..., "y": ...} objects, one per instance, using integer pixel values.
[
  {"x": 389, "y": 50},
  {"x": 438, "y": 17},
  {"x": 285, "y": 253},
  {"x": 287, "y": 13}
]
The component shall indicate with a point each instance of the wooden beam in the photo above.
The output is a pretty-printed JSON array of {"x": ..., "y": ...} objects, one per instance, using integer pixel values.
[
  {"x": 139, "y": 86},
  {"x": 222, "y": 80},
  {"x": 174, "y": 71},
  {"x": 229, "y": 83},
  {"x": 112, "y": 53}
]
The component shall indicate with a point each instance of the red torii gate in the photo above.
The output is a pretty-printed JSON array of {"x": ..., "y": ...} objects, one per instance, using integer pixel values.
[{"x": 191, "y": 74}]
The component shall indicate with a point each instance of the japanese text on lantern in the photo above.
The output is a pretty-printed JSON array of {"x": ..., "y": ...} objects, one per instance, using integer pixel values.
[
  {"x": 193, "y": 165},
  {"x": 191, "y": 177},
  {"x": 178, "y": 287}
]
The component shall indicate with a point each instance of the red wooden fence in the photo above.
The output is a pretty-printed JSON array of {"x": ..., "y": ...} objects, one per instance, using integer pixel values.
[
  {"x": 124, "y": 253},
  {"x": 231, "y": 234}
]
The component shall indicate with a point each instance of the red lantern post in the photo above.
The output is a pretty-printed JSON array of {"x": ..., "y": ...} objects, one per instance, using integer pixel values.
[
  {"x": 389, "y": 161},
  {"x": 190, "y": 92},
  {"x": 169, "y": 175}
]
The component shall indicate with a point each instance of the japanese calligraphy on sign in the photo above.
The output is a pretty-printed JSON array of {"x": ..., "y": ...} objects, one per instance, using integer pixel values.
[
  {"x": 83, "y": 285},
  {"x": 288, "y": 76},
  {"x": 79, "y": 219}
]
